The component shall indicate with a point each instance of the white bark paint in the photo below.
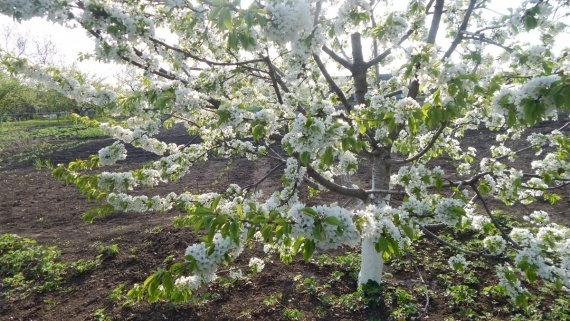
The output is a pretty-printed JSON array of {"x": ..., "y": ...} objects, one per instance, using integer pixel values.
[{"x": 371, "y": 263}]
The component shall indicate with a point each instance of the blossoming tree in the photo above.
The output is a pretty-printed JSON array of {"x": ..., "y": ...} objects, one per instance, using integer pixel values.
[{"x": 263, "y": 80}]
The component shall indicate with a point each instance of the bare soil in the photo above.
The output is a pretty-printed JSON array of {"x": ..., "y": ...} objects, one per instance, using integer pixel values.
[{"x": 35, "y": 205}]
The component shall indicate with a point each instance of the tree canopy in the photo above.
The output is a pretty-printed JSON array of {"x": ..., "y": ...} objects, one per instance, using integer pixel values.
[{"x": 301, "y": 82}]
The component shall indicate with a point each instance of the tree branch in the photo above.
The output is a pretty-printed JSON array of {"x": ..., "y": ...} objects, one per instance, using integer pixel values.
[
  {"x": 493, "y": 219},
  {"x": 274, "y": 80},
  {"x": 487, "y": 40},
  {"x": 432, "y": 235},
  {"x": 206, "y": 61},
  {"x": 461, "y": 30},
  {"x": 271, "y": 171},
  {"x": 424, "y": 150},
  {"x": 337, "y": 58},
  {"x": 339, "y": 189},
  {"x": 438, "y": 11},
  {"x": 332, "y": 83},
  {"x": 388, "y": 51},
  {"x": 414, "y": 87}
]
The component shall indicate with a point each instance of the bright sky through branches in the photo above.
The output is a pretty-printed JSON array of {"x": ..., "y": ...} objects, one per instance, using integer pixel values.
[{"x": 72, "y": 42}]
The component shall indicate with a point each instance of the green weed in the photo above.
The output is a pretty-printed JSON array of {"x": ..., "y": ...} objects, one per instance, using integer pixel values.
[
  {"x": 26, "y": 267},
  {"x": 108, "y": 251},
  {"x": 99, "y": 315},
  {"x": 81, "y": 266},
  {"x": 292, "y": 314}
]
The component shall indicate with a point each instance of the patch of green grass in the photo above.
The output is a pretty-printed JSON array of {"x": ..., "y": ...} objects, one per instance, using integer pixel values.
[
  {"x": 30, "y": 139},
  {"x": 119, "y": 295},
  {"x": 81, "y": 267},
  {"x": 100, "y": 315},
  {"x": 292, "y": 314},
  {"x": 108, "y": 251},
  {"x": 154, "y": 230},
  {"x": 26, "y": 267}
]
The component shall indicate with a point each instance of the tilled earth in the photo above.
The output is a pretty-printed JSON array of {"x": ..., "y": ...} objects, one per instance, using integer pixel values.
[{"x": 35, "y": 205}]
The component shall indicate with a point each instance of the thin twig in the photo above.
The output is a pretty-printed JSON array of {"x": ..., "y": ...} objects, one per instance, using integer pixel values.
[
  {"x": 493, "y": 219},
  {"x": 410, "y": 256},
  {"x": 424, "y": 150},
  {"x": 432, "y": 235}
]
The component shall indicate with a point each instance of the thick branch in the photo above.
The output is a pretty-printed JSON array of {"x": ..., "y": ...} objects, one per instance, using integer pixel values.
[
  {"x": 337, "y": 58},
  {"x": 274, "y": 80},
  {"x": 461, "y": 30},
  {"x": 414, "y": 87},
  {"x": 339, "y": 189},
  {"x": 428, "y": 6},
  {"x": 332, "y": 83},
  {"x": 388, "y": 51},
  {"x": 438, "y": 10},
  {"x": 359, "y": 69}
]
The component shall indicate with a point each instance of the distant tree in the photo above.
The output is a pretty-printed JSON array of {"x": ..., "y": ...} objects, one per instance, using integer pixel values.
[
  {"x": 20, "y": 44},
  {"x": 258, "y": 80},
  {"x": 14, "y": 97}
]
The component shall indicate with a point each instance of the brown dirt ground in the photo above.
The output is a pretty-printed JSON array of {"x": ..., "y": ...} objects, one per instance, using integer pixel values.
[{"x": 33, "y": 204}]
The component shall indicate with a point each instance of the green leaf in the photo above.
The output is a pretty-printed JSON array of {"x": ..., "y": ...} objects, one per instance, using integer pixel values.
[
  {"x": 224, "y": 18},
  {"x": 297, "y": 245},
  {"x": 438, "y": 182},
  {"x": 258, "y": 219},
  {"x": 521, "y": 300},
  {"x": 530, "y": 22},
  {"x": 176, "y": 268},
  {"x": 235, "y": 231},
  {"x": 267, "y": 233},
  {"x": 408, "y": 231},
  {"x": 332, "y": 220},
  {"x": 328, "y": 157},
  {"x": 382, "y": 245},
  {"x": 458, "y": 210},
  {"x": 547, "y": 65},
  {"x": 215, "y": 202},
  {"x": 308, "y": 249},
  {"x": 258, "y": 132},
  {"x": 167, "y": 282},
  {"x": 305, "y": 157},
  {"x": 310, "y": 211},
  {"x": 530, "y": 274},
  {"x": 319, "y": 232},
  {"x": 362, "y": 128}
]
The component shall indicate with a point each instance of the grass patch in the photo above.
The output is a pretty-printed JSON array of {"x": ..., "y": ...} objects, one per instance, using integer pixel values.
[
  {"x": 28, "y": 140},
  {"x": 26, "y": 267}
]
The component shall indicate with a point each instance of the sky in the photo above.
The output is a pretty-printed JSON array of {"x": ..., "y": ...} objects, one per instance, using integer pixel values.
[{"x": 70, "y": 42}]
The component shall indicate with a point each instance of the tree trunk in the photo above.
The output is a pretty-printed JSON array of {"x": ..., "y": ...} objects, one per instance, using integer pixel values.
[{"x": 372, "y": 264}]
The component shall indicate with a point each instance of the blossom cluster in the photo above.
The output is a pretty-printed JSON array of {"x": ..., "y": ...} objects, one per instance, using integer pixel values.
[
  {"x": 379, "y": 222},
  {"x": 457, "y": 262},
  {"x": 111, "y": 154},
  {"x": 305, "y": 225},
  {"x": 207, "y": 261},
  {"x": 290, "y": 20},
  {"x": 129, "y": 203}
]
